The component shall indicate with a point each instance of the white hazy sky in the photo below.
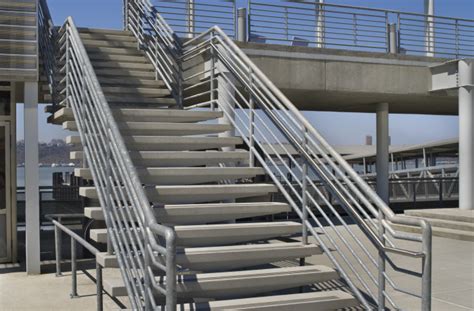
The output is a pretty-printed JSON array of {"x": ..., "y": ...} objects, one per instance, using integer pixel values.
[{"x": 338, "y": 128}]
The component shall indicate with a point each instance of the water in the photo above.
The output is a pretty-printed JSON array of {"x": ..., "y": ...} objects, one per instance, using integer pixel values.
[{"x": 45, "y": 175}]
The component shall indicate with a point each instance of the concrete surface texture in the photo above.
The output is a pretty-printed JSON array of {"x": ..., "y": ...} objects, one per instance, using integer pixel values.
[
  {"x": 453, "y": 283},
  {"x": 334, "y": 80}
]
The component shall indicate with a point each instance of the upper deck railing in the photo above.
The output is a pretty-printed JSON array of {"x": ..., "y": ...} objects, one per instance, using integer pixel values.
[
  {"x": 18, "y": 40},
  {"x": 311, "y": 24}
]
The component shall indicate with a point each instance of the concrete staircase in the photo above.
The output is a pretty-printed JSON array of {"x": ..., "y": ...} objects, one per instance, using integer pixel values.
[
  {"x": 207, "y": 194},
  {"x": 451, "y": 223}
]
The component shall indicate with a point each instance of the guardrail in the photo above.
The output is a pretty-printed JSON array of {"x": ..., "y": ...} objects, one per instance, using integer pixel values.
[
  {"x": 141, "y": 245},
  {"x": 60, "y": 228},
  {"x": 359, "y": 28},
  {"x": 266, "y": 117},
  {"x": 19, "y": 41}
]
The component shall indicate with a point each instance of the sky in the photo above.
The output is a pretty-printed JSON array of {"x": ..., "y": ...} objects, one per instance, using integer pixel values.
[{"x": 338, "y": 128}]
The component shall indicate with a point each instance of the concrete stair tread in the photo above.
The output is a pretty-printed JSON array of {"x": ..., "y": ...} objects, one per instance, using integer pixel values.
[
  {"x": 236, "y": 284},
  {"x": 327, "y": 300},
  {"x": 162, "y": 128},
  {"x": 145, "y": 115},
  {"x": 224, "y": 258},
  {"x": 196, "y": 193},
  {"x": 440, "y": 232},
  {"x": 150, "y": 91},
  {"x": 170, "y": 143},
  {"x": 185, "y": 175},
  {"x": 451, "y": 214},
  {"x": 104, "y": 31},
  {"x": 179, "y": 158},
  {"x": 101, "y": 65},
  {"x": 448, "y": 224},
  {"x": 96, "y": 42},
  {"x": 221, "y": 234},
  {"x": 188, "y": 214},
  {"x": 133, "y": 101}
]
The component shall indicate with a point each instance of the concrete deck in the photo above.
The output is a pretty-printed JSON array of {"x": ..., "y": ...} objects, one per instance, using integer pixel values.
[{"x": 453, "y": 283}]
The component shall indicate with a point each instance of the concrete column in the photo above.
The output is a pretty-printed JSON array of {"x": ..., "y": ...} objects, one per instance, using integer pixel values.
[
  {"x": 32, "y": 213},
  {"x": 320, "y": 24},
  {"x": 429, "y": 28},
  {"x": 382, "y": 164},
  {"x": 242, "y": 25},
  {"x": 466, "y": 134}
]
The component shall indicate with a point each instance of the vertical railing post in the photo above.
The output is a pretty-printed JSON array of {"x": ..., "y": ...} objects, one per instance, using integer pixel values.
[
  {"x": 73, "y": 268},
  {"x": 190, "y": 8},
  {"x": 242, "y": 25},
  {"x": 381, "y": 265},
  {"x": 320, "y": 24},
  {"x": 304, "y": 191},
  {"x": 287, "y": 32},
  {"x": 426, "y": 268},
  {"x": 171, "y": 280},
  {"x": 58, "y": 242},
  {"x": 213, "y": 75},
  {"x": 98, "y": 277},
  {"x": 147, "y": 279},
  {"x": 393, "y": 38},
  {"x": 67, "y": 65},
  {"x": 429, "y": 28},
  {"x": 251, "y": 121},
  {"x": 125, "y": 14}
]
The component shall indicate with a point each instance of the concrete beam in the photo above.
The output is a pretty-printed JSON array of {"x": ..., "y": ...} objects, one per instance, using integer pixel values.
[
  {"x": 382, "y": 164},
  {"x": 32, "y": 213}
]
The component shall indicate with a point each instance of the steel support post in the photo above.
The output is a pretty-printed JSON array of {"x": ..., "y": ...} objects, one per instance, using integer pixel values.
[
  {"x": 466, "y": 134},
  {"x": 242, "y": 25},
  {"x": 58, "y": 250},
  {"x": 393, "y": 38},
  {"x": 32, "y": 213},
  {"x": 98, "y": 278},
  {"x": 191, "y": 18},
  {"x": 382, "y": 163},
  {"x": 73, "y": 268},
  {"x": 320, "y": 27},
  {"x": 429, "y": 28}
]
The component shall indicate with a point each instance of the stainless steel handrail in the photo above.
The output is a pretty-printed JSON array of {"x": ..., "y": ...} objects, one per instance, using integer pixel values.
[
  {"x": 237, "y": 72},
  {"x": 159, "y": 42},
  {"x": 361, "y": 28},
  {"x": 133, "y": 229}
]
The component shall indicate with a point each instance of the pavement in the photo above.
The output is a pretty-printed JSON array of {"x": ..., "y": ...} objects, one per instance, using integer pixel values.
[{"x": 453, "y": 282}]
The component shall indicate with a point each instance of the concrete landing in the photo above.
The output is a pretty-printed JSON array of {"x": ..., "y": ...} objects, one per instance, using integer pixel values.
[{"x": 451, "y": 223}]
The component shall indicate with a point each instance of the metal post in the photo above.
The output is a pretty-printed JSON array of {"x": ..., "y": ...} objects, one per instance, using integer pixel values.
[
  {"x": 382, "y": 164},
  {"x": 429, "y": 28},
  {"x": 304, "y": 195},
  {"x": 393, "y": 38},
  {"x": 73, "y": 268},
  {"x": 251, "y": 121},
  {"x": 171, "y": 280},
  {"x": 242, "y": 25},
  {"x": 58, "y": 250},
  {"x": 426, "y": 268},
  {"x": 98, "y": 277},
  {"x": 191, "y": 18},
  {"x": 213, "y": 76},
  {"x": 466, "y": 134},
  {"x": 32, "y": 214},
  {"x": 381, "y": 265},
  {"x": 125, "y": 14},
  {"x": 320, "y": 27}
]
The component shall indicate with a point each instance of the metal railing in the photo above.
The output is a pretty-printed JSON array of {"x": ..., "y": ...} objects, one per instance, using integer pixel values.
[
  {"x": 189, "y": 18},
  {"x": 47, "y": 43},
  {"x": 263, "y": 116},
  {"x": 18, "y": 42},
  {"x": 358, "y": 28},
  {"x": 141, "y": 245},
  {"x": 60, "y": 228},
  {"x": 159, "y": 42}
]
